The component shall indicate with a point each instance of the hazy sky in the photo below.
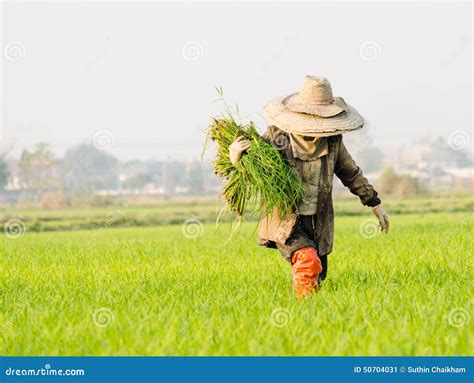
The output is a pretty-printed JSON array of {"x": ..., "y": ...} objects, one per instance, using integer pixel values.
[{"x": 146, "y": 72}]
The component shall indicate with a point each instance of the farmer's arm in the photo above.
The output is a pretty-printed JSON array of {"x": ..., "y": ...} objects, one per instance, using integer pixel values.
[{"x": 351, "y": 176}]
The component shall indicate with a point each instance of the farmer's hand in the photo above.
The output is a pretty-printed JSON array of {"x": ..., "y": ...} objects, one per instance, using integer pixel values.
[
  {"x": 237, "y": 148},
  {"x": 379, "y": 212}
]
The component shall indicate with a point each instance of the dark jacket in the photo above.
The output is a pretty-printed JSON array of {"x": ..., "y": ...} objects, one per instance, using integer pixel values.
[{"x": 337, "y": 161}]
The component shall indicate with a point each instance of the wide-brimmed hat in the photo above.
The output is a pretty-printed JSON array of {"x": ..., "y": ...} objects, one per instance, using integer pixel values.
[{"x": 313, "y": 111}]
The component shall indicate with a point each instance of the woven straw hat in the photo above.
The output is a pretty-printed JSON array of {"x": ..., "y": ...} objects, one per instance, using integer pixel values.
[{"x": 313, "y": 111}]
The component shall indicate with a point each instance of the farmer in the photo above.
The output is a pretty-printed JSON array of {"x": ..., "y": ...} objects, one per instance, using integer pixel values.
[{"x": 307, "y": 130}]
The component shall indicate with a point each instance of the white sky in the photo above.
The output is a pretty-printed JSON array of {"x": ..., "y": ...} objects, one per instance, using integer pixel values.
[{"x": 122, "y": 67}]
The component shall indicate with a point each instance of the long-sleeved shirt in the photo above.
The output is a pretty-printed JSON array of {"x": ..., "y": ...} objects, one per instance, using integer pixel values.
[{"x": 336, "y": 161}]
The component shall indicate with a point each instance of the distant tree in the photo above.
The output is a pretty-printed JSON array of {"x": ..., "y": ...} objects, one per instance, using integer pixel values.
[
  {"x": 136, "y": 166},
  {"x": 395, "y": 184},
  {"x": 155, "y": 169},
  {"x": 173, "y": 175},
  {"x": 137, "y": 182},
  {"x": 37, "y": 169},
  {"x": 4, "y": 173},
  {"x": 387, "y": 181},
  {"x": 194, "y": 179},
  {"x": 407, "y": 185},
  {"x": 87, "y": 168}
]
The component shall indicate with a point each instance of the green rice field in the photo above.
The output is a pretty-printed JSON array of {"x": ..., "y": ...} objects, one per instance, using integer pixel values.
[{"x": 184, "y": 289}]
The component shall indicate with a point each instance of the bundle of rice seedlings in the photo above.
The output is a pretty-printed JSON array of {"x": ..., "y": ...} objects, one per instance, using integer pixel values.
[{"x": 261, "y": 181}]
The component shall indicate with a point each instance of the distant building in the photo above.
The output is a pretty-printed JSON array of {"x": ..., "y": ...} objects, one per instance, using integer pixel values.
[{"x": 436, "y": 165}]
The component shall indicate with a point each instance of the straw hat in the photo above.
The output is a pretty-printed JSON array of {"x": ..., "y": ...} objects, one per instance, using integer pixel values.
[{"x": 313, "y": 111}]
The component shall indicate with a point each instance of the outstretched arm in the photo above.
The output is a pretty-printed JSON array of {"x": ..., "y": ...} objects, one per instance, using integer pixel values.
[{"x": 352, "y": 177}]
